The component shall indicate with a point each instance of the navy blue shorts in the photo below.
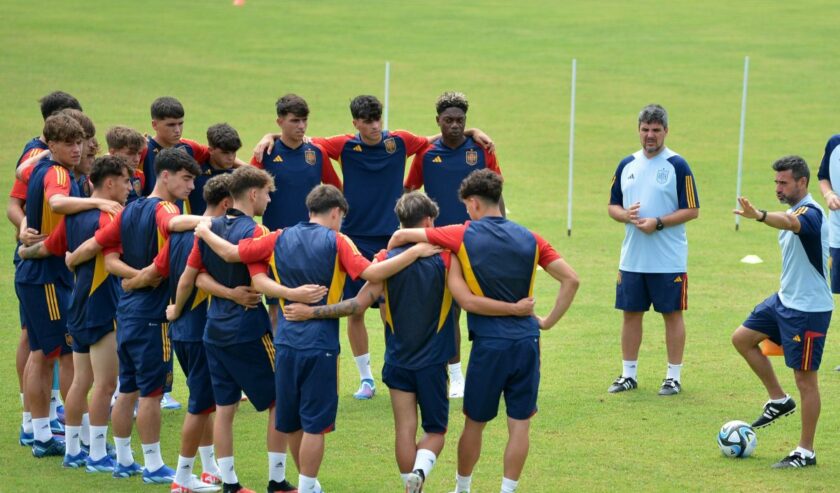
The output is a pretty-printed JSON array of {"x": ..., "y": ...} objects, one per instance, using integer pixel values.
[
  {"x": 634, "y": 292},
  {"x": 502, "y": 366},
  {"x": 801, "y": 334},
  {"x": 245, "y": 367},
  {"x": 86, "y": 337},
  {"x": 193, "y": 361},
  {"x": 368, "y": 246},
  {"x": 45, "y": 310},
  {"x": 307, "y": 390},
  {"x": 430, "y": 386},
  {"x": 834, "y": 269},
  {"x": 145, "y": 356},
  {"x": 22, "y": 315}
]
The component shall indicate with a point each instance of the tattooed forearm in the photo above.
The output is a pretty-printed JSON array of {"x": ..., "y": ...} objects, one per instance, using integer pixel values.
[{"x": 347, "y": 307}]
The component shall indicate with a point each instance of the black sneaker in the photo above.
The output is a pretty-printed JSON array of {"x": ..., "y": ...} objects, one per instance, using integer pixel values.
[
  {"x": 670, "y": 387},
  {"x": 795, "y": 459},
  {"x": 773, "y": 411},
  {"x": 274, "y": 486},
  {"x": 233, "y": 488},
  {"x": 621, "y": 384}
]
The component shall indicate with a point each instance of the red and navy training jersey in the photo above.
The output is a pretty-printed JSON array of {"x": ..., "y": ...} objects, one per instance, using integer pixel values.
[
  {"x": 171, "y": 262},
  {"x": 419, "y": 322},
  {"x": 139, "y": 232},
  {"x": 195, "y": 203},
  {"x": 93, "y": 302},
  {"x": 307, "y": 253},
  {"x": 228, "y": 322},
  {"x": 46, "y": 179},
  {"x": 147, "y": 158},
  {"x": 32, "y": 148},
  {"x": 373, "y": 178},
  {"x": 499, "y": 260},
  {"x": 441, "y": 169},
  {"x": 296, "y": 172}
]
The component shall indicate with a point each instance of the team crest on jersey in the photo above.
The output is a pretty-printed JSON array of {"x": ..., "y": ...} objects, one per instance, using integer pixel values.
[
  {"x": 390, "y": 145},
  {"x": 68, "y": 339},
  {"x": 472, "y": 157},
  {"x": 662, "y": 176},
  {"x": 309, "y": 156}
]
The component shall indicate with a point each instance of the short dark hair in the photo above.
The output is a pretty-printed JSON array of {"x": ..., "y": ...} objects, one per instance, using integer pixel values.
[
  {"x": 62, "y": 128},
  {"x": 322, "y": 198},
  {"x": 174, "y": 160},
  {"x": 223, "y": 136},
  {"x": 366, "y": 108},
  {"x": 83, "y": 119},
  {"x": 482, "y": 183},
  {"x": 653, "y": 113},
  {"x": 245, "y": 178},
  {"x": 57, "y": 101},
  {"x": 120, "y": 137},
  {"x": 292, "y": 103},
  {"x": 415, "y": 206},
  {"x": 106, "y": 166},
  {"x": 217, "y": 189},
  {"x": 797, "y": 166},
  {"x": 166, "y": 107},
  {"x": 451, "y": 99}
]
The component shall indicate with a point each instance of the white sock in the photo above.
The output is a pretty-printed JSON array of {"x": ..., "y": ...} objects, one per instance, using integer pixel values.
[
  {"x": 226, "y": 468},
  {"x": 782, "y": 400},
  {"x": 26, "y": 422},
  {"x": 808, "y": 454},
  {"x": 72, "y": 442},
  {"x": 628, "y": 369},
  {"x": 152, "y": 461},
  {"x": 404, "y": 477},
  {"x": 208, "y": 460},
  {"x": 85, "y": 436},
  {"x": 363, "y": 363},
  {"x": 306, "y": 484},
  {"x": 276, "y": 466},
  {"x": 98, "y": 440},
  {"x": 184, "y": 471},
  {"x": 21, "y": 399},
  {"x": 509, "y": 485},
  {"x": 424, "y": 461},
  {"x": 41, "y": 428},
  {"x": 125, "y": 457},
  {"x": 674, "y": 371},
  {"x": 462, "y": 483},
  {"x": 455, "y": 371},
  {"x": 54, "y": 396}
]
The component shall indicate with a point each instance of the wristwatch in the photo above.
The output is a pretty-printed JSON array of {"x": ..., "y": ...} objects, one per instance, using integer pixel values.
[{"x": 659, "y": 225}]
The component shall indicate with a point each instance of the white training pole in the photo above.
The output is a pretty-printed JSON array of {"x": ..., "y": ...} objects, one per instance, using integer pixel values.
[
  {"x": 741, "y": 139},
  {"x": 571, "y": 146},
  {"x": 387, "y": 94}
]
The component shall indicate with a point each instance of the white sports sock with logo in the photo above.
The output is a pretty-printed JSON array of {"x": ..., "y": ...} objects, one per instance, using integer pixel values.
[
  {"x": 424, "y": 461},
  {"x": 72, "y": 440},
  {"x": 98, "y": 441},
  {"x": 208, "y": 460},
  {"x": 276, "y": 466},
  {"x": 85, "y": 435},
  {"x": 628, "y": 369},
  {"x": 41, "y": 428},
  {"x": 363, "y": 364},
  {"x": 26, "y": 422},
  {"x": 228, "y": 473},
  {"x": 184, "y": 471},
  {"x": 125, "y": 457},
  {"x": 152, "y": 461},
  {"x": 674, "y": 371}
]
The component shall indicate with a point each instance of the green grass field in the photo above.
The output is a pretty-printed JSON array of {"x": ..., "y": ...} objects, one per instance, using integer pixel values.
[{"x": 230, "y": 64}]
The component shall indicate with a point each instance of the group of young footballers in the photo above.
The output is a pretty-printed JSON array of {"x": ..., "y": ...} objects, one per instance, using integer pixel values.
[{"x": 154, "y": 247}]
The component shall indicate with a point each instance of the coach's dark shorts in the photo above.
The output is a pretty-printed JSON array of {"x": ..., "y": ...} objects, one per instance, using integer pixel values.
[
  {"x": 801, "y": 334},
  {"x": 193, "y": 360},
  {"x": 834, "y": 263},
  {"x": 430, "y": 386},
  {"x": 634, "y": 292},
  {"x": 368, "y": 246},
  {"x": 86, "y": 337},
  {"x": 307, "y": 390},
  {"x": 245, "y": 367},
  {"x": 502, "y": 366},
  {"x": 145, "y": 356},
  {"x": 44, "y": 307}
]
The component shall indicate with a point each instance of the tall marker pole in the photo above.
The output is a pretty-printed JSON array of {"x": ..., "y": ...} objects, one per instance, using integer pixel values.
[
  {"x": 571, "y": 146},
  {"x": 741, "y": 139},
  {"x": 387, "y": 94}
]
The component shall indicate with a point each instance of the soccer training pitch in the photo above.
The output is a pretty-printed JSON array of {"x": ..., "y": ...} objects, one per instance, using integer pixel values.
[{"x": 513, "y": 60}]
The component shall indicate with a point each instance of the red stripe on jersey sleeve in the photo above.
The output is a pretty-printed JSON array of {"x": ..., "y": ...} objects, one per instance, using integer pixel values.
[
  {"x": 333, "y": 145},
  {"x": 19, "y": 190},
  {"x": 328, "y": 174},
  {"x": 56, "y": 182},
  {"x": 106, "y": 218},
  {"x": 200, "y": 152},
  {"x": 491, "y": 163},
  {"x": 381, "y": 255},
  {"x": 351, "y": 260},
  {"x": 163, "y": 214},
  {"x": 415, "y": 174},
  {"x": 446, "y": 256},
  {"x": 109, "y": 236},
  {"x": 194, "y": 260},
  {"x": 259, "y": 248},
  {"x": 257, "y": 164},
  {"x": 547, "y": 252},
  {"x": 449, "y": 237},
  {"x": 161, "y": 260},
  {"x": 413, "y": 143},
  {"x": 56, "y": 242}
]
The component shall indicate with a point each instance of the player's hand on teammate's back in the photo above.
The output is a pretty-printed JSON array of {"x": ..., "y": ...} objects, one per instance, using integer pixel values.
[
  {"x": 484, "y": 141},
  {"x": 69, "y": 261},
  {"x": 524, "y": 307},
  {"x": 171, "y": 315},
  {"x": 110, "y": 206},
  {"x": 246, "y": 296},
  {"x": 30, "y": 236},
  {"x": 308, "y": 293},
  {"x": 426, "y": 249},
  {"x": 202, "y": 228},
  {"x": 297, "y": 312},
  {"x": 264, "y": 146}
]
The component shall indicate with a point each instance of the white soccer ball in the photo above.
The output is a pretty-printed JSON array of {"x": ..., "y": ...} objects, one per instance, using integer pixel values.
[{"x": 736, "y": 439}]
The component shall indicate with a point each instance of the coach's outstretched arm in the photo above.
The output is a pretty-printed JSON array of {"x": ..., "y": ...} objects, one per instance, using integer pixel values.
[
  {"x": 569, "y": 284},
  {"x": 483, "y": 305},
  {"x": 778, "y": 220}
]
